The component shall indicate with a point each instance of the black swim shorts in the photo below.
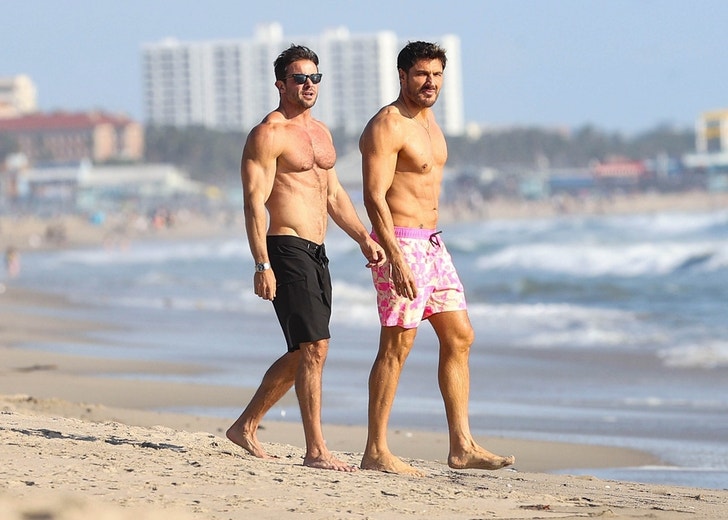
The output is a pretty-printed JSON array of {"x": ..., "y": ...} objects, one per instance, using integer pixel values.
[{"x": 303, "y": 289}]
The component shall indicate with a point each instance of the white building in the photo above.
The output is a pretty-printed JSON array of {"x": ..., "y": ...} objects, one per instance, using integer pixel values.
[
  {"x": 86, "y": 186},
  {"x": 229, "y": 84},
  {"x": 18, "y": 96}
]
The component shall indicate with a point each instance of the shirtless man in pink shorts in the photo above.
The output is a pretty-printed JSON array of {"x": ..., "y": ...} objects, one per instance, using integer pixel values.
[{"x": 403, "y": 155}]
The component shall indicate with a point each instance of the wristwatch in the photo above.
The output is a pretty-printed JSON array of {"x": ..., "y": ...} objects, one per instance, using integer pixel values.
[{"x": 262, "y": 266}]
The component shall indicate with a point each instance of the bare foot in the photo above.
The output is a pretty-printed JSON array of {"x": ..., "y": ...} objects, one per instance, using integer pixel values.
[
  {"x": 247, "y": 441},
  {"x": 390, "y": 464},
  {"x": 328, "y": 462},
  {"x": 479, "y": 458}
]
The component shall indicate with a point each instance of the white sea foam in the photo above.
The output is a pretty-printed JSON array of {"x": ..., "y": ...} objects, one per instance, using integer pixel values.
[
  {"x": 156, "y": 252},
  {"x": 562, "y": 326},
  {"x": 713, "y": 354},
  {"x": 618, "y": 259}
]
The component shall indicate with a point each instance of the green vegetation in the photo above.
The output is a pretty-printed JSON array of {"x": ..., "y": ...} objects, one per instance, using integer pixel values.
[{"x": 213, "y": 156}]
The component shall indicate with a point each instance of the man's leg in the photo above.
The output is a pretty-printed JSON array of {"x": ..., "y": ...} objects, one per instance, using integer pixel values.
[
  {"x": 278, "y": 379},
  {"x": 456, "y": 335},
  {"x": 395, "y": 344},
  {"x": 309, "y": 378}
]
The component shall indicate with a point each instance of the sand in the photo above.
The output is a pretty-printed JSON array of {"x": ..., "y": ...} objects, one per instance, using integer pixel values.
[
  {"x": 78, "y": 445},
  {"x": 78, "y": 441}
]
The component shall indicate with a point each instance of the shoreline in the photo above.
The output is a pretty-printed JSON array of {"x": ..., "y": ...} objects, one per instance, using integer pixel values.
[
  {"x": 81, "y": 439},
  {"x": 38, "y": 381},
  {"x": 29, "y": 232},
  {"x": 80, "y": 442}
]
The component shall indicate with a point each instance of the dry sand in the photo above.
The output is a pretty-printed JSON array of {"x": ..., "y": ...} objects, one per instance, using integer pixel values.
[{"x": 80, "y": 443}]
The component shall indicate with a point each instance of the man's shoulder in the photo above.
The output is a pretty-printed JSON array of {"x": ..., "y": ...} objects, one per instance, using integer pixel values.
[
  {"x": 390, "y": 111},
  {"x": 272, "y": 119},
  {"x": 387, "y": 120},
  {"x": 269, "y": 126}
]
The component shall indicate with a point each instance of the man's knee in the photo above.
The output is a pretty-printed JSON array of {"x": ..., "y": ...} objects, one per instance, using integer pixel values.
[
  {"x": 467, "y": 337},
  {"x": 316, "y": 351},
  {"x": 454, "y": 332},
  {"x": 396, "y": 342}
]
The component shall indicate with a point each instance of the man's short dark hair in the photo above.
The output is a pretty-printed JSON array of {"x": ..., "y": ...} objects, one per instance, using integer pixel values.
[
  {"x": 291, "y": 54},
  {"x": 415, "y": 51}
]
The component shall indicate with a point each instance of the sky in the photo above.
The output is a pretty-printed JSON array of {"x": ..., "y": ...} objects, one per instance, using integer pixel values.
[{"x": 623, "y": 66}]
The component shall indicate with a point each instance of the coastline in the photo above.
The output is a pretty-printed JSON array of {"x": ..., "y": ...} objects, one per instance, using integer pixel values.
[
  {"x": 75, "y": 430},
  {"x": 32, "y": 232},
  {"x": 37, "y": 381},
  {"x": 83, "y": 439}
]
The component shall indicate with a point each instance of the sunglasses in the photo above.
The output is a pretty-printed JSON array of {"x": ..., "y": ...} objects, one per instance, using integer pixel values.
[{"x": 300, "y": 79}]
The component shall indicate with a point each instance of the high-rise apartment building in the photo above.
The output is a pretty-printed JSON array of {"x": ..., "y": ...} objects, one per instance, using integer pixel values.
[{"x": 229, "y": 84}]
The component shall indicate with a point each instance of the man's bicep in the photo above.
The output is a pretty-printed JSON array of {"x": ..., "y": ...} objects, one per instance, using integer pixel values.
[
  {"x": 378, "y": 169},
  {"x": 257, "y": 169},
  {"x": 380, "y": 149}
]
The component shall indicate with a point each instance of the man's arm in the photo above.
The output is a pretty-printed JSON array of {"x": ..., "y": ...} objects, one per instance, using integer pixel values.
[
  {"x": 343, "y": 213},
  {"x": 380, "y": 145},
  {"x": 257, "y": 173}
]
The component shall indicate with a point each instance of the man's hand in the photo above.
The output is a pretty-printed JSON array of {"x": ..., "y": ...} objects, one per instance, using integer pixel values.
[
  {"x": 373, "y": 253},
  {"x": 264, "y": 284},
  {"x": 404, "y": 280}
]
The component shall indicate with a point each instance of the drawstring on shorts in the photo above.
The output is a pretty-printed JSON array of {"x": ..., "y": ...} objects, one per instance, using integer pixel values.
[{"x": 434, "y": 240}]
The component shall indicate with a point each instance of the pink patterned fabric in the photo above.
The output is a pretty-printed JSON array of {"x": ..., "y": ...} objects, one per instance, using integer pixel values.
[{"x": 438, "y": 286}]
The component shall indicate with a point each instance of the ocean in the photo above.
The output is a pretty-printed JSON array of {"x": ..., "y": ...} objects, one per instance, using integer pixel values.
[{"x": 608, "y": 330}]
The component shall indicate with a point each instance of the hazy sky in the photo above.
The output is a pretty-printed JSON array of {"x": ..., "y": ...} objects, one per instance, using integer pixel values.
[{"x": 619, "y": 65}]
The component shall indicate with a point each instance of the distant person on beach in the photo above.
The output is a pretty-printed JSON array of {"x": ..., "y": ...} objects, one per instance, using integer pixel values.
[
  {"x": 403, "y": 155},
  {"x": 288, "y": 177},
  {"x": 12, "y": 262}
]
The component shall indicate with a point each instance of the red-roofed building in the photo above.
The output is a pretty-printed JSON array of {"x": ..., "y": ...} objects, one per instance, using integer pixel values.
[
  {"x": 65, "y": 136},
  {"x": 620, "y": 168},
  {"x": 620, "y": 173}
]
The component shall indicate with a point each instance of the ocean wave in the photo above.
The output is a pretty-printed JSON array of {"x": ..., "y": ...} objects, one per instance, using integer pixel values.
[
  {"x": 562, "y": 326},
  {"x": 155, "y": 252},
  {"x": 622, "y": 260},
  {"x": 470, "y": 237},
  {"x": 710, "y": 355}
]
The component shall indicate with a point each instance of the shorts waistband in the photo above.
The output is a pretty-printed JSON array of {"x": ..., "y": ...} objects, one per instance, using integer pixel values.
[
  {"x": 292, "y": 239},
  {"x": 405, "y": 232},
  {"x": 415, "y": 233}
]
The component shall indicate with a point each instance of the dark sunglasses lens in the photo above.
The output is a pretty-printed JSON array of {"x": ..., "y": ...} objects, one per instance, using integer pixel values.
[{"x": 300, "y": 79}]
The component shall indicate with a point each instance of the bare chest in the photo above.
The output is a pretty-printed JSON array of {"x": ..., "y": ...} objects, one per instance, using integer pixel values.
[
  {"x": 423, "y": 153},
  {"x": 307, "y": 149}
]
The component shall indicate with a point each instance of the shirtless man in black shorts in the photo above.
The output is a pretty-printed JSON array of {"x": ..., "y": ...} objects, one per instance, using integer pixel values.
[{"x": 288, "y": 177}]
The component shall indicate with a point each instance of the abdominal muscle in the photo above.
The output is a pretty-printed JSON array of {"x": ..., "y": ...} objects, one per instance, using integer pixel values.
[
  {"x": 413, "y": 200},
  {"x": 297, "y": 205}
]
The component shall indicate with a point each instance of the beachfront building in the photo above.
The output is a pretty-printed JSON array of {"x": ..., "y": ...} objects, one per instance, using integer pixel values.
[
  {"x": 711, "y": 132},
  {"x": 83, "y": 186},
  {"x": 229, "y": 84},
  {"x": 18, "y": 96},
  {"x": 711, "y": 149},
  {"x": 64, "y": 136}
]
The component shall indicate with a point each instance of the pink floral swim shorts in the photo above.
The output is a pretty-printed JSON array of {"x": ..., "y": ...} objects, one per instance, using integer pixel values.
[{"x": 438, "y": 286}]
